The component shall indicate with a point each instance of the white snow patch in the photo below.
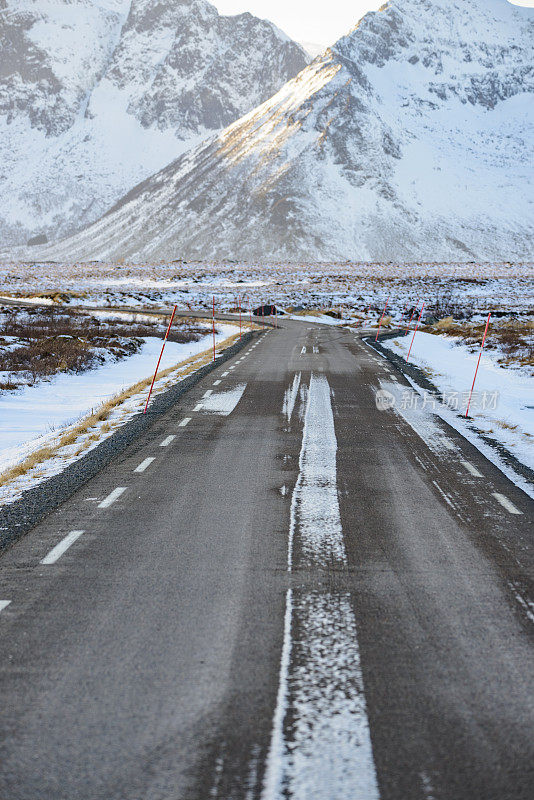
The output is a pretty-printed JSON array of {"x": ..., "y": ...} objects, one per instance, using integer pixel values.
[
  {"x": 315, "y": 507},
  {"x": 290, "y": 396},
  {"x": 223, "y": 402},
  {"x": 322, "y": 751},
  {"x": 450, "y": 365}
]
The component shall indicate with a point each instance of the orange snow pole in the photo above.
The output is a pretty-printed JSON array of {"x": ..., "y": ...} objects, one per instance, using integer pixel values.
[
  {"x": 478, "y": 364},
  {"x": 415, "y": 331},
  {"x": 159, "y": 359},
  {"x": 213, "y": 324}
]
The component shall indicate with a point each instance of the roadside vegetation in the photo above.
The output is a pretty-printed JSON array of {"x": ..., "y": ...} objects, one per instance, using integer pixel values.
[
  {"x": 38, "y": 343},
  {"x": 510, "y": 340}
]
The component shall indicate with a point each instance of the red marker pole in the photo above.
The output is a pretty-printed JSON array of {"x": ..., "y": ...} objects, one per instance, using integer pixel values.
[
  {"x": 415, "y": 331},
  {"x": 159, "y": 359},
  {"x": 381, "y": 318},
  {"x": 478, "y": 364},
  {"x": 213, "y": 320}
]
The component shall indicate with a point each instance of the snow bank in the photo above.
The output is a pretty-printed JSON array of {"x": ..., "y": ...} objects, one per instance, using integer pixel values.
[
  {"x": 33, "y": 417},
  {"x": 503, "y": 401}
]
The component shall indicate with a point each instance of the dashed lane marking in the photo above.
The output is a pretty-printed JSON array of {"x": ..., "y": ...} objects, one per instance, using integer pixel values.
[
  {"x": 168, "y": 439},
  {"x": 57, "y": 551},
  {"x": 505, "y": 503},
  {"x": 144, "y": 464},
  {"x": 197, "y": 407},
  {"x": 224, "y": 374},
  {"x": 207, "y": 394},
  {"x": 112, "y": 496},
  {"x": 184, "y": 422},
  {"x": 215, "y": 383},
  {"x": 471, "y": 468}
]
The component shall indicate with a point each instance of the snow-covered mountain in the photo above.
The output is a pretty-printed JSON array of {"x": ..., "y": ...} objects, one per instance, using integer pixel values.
[
  {"x": 412, "y": 138},
  {"x": 96, "y": 95}
]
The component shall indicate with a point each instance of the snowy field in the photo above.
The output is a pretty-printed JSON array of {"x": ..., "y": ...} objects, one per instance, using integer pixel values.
[
  {"x": 356, "y": 291},
  {"x": 502, "y": 405},
  {"x": 37, "y": 416},
  {"x": 468, "y": 287}
]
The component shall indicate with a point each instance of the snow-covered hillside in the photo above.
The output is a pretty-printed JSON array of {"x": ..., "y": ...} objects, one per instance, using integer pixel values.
[
  {"x": 411, "y": 139},
  {"x": 96, "y": 95}
]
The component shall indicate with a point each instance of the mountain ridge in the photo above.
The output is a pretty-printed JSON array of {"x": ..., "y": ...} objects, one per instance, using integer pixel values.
[
  {"x": 405, "y": 141},
  {"x": 96, "y": 95}
]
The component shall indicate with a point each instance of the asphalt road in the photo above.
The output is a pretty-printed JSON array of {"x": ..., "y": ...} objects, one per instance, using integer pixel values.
[{"x": 296, "y": 595}]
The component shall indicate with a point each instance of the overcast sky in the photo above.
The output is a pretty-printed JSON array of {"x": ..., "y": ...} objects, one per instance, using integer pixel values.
[
  {"x": 305, "y": 20},
  {"x": 314, "y": 21}
]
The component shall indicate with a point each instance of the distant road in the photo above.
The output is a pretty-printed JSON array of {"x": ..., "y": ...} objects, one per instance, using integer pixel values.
[
  {"x": 277, "y": 591},
  {"x": 157, "y": 312}
]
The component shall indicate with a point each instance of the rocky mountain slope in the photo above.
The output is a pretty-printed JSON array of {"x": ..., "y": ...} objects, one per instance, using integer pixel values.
[
  {"x": 410, "y": 139},
  {"x": 96, "y": 95}
]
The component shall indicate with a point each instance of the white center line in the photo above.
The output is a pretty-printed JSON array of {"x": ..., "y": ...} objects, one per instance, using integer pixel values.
[
  {"x": 215, "y": 383},
  {"x": 167, "y": 441},
  {"x": 4, "y": 604},
  {"x": 184, "y": 422},
  {"x": 207, "y": 394},
  {"x": 144, "y": 464},
  {"x": 112, "y": 496},
  {"x": 505, "y": 503},
  {"x": 60, "y": 548},
  {"x": 472, "y": 469},
  {"x": 224, "y": 374}
]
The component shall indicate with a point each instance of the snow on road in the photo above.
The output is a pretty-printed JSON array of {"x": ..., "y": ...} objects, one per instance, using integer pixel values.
[
  {"x": 320, "y": 742},
  {"x": 224, "y": 402},
  {"x": 315, "y": 521}
]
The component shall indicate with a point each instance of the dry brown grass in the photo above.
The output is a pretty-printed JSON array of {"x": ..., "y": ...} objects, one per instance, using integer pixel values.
[
  {"x": 52, "y": 340},
  {"x": 511, "y": 340}
]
